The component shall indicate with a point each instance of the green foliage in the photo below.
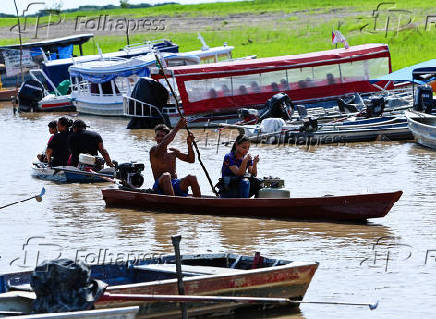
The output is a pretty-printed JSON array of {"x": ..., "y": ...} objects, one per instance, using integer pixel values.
[{"x": 306, "y": 27}]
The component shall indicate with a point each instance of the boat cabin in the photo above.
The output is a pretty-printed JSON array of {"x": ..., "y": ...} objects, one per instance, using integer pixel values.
[{"x": 305, "y": 78}]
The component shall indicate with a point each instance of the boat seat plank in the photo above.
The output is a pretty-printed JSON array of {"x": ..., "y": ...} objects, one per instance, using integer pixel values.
[
  {"x": 23, "y": 287},
  {"x": 189, "y": 270}
]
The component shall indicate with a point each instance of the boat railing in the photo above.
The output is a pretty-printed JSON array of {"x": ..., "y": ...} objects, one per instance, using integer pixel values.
[{"x": 135, "y": 108}]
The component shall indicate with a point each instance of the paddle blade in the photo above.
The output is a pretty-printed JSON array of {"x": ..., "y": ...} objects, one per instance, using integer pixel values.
[
  {"x": 373, "y": 306},
  {"x": 39, "y": 197}
]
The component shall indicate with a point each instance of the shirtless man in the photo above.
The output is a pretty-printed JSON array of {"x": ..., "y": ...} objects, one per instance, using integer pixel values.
[{"x": 163, "y": 163}]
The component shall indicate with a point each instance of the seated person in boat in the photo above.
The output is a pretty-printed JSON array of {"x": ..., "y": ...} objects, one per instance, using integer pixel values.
[
  {"x": 236, "y": 164},
  {"x": 57, "y": 152},
  {"x": 163, "y": 163},
  {"x": 52, "y": 129},
  {"x": 86, "y": 142}
]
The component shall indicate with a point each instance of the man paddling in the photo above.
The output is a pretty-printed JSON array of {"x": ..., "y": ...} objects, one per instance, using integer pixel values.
[{"x": 163, "y": 163}]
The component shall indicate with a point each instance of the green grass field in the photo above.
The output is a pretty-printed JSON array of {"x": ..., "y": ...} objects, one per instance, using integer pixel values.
[{"x": 288, "y": 35}]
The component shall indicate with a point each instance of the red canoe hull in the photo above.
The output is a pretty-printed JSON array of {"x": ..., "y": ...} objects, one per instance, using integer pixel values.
[{"x": 339, "y": 208}]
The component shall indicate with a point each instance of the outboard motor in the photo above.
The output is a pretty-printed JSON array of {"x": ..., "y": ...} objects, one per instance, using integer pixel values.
[
  {"x": 423, "y": 99},
  {"x": 375, "y": 107},
  {"x": 89, "y": 162},
  {"x": 151, "y": 92},
  {"x": 29, "y": 94},
  {"x": 279, "y": 106},
  {"x": 130, "y": 174},
  {"x": 309, "y": 125},
  {"x": 248, "y": 116},
  {"x": 346, "y": 107}
]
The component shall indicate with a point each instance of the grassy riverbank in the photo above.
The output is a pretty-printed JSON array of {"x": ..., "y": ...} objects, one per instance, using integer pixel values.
[{"x": 268, "y": 28}]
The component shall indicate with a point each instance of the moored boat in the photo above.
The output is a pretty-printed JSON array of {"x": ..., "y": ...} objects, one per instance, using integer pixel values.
[
  {"x": 204, "y": 275},
  {"x": 275, "y": 130},
  {"x": 115, "y": 313},
  {"x": 336, "y": 208},
  {"x": 209, "y": 89},
  {"x": 423, "y": 127}
]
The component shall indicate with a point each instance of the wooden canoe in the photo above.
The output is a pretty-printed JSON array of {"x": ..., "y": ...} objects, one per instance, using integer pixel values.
[
  {"x": 203, "y": 275},
  {"x": 338, "y": 208}
]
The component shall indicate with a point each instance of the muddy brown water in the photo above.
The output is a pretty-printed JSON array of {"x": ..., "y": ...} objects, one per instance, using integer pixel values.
[{"x": 392, "y": 259}]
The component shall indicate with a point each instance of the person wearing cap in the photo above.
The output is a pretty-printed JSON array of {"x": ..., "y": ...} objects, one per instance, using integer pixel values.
[
  {"x": 86, "y": 142},
  {"x": 52, "y": 129}
]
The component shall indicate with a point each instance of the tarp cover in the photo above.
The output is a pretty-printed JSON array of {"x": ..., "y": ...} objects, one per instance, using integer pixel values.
[
  {"x": 106, "y": 70},
  {"x": 62, "y": 285},
  {"x": 406, "y": 74}
]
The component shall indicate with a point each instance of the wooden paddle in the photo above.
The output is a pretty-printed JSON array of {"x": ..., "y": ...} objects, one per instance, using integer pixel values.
[
  {"x": 37, "y": 197},
  {"x": 161, "y": 65}
]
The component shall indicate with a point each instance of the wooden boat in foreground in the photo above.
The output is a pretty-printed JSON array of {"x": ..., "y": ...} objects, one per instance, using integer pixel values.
[
  {"x": 339, "y": 208},
  {"x": 204, "y": 275},
  {"x": 116, "y": 313}
]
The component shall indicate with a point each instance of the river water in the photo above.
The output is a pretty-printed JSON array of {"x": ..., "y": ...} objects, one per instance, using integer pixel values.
[{"x": 392, "y": 259}]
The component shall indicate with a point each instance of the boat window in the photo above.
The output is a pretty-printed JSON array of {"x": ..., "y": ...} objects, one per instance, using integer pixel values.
[
  {"x": 270, "y": 81},
  {"x": 207, "y": 59},
  {"x": 285, "y": 80},
  {"x": 300, "y": 78},
  {"x": 365, "y": 70},
  {"x": 326, "y": 75},
  {"x": 224, "y": 57}
]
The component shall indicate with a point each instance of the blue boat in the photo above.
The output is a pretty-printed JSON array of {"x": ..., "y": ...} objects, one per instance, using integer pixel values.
[{"x": 70, "y": 174}]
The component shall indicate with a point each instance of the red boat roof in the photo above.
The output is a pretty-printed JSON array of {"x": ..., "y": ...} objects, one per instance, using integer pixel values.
[{"x": 354, "y": 53}]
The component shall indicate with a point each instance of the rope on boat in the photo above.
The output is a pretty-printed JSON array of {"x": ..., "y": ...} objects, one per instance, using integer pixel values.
[{"x": 182, "y": 116}]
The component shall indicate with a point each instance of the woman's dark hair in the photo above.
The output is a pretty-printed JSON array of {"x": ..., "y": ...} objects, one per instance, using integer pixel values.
[
  {"x": 52, "y": 124},
  {"x": 65, "y": 121},
  {"x": 239, "y": 140}
]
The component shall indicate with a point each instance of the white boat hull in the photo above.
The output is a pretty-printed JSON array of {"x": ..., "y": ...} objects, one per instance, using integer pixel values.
[
  {"x": 55, "y": 103},
  {"x": 102, "y": 108},
  {"x": 423, "y": 127}
]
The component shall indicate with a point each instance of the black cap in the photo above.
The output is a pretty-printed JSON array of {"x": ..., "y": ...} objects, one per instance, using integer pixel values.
[{"x": 79, "y": 124}]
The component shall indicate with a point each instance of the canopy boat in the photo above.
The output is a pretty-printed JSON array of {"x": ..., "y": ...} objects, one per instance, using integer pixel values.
[
  {"x": 98, "y": 86},
  {"x": 338, "y": 208},
  {"x": 57, "y": 70},
  {"x": 70, "y": 174},
  {"x": 211, "y": 93},
  {"x": 203, "y": 275}
]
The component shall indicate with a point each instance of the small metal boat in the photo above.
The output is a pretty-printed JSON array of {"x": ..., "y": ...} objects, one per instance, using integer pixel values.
[
  {"x": 423, "y": 127},
  {"x": 203, "y": 275},
  {"x": 70, "y": 174}
]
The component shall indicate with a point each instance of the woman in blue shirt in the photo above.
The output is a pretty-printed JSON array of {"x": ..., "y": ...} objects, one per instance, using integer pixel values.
[{"x": 236, "y": 164}]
